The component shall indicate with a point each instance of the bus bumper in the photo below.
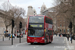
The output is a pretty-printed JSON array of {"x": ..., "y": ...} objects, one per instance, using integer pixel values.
[{"x": 35, "y": 41}]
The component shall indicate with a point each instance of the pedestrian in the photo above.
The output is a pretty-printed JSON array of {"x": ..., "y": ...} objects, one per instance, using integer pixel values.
[
  {"x": 56, "y": 34},
  {"x": 59, "y": 35},
  {"x": 71, "y": 36},
  {"x": 68, "y": 37}
]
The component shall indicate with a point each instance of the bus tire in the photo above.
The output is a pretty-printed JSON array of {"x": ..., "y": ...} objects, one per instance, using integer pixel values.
[
  {"x": 50, "y": 42},
  {"x": 32, "y": 43},
  {"x": 44, "y": 43}
]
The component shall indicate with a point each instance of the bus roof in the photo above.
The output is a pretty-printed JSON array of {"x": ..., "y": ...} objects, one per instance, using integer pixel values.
[
  {"x": 36, "y": 15},
  {"x": 41, "y": 16}
]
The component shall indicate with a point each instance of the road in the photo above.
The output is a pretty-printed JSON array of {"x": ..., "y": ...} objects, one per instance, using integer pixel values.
[{"x": 59, "y": 43}]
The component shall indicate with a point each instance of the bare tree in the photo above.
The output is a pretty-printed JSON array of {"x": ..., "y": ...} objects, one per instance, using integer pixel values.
[
  {"x": 18, "y": 14},
  {"x": 6, "y": 18},
  {"x": 67, "y": 8},
  {"x": 10, "y": 13},
  {"x": 64, "y": 8},
  {"x": 6, "y": 6}
]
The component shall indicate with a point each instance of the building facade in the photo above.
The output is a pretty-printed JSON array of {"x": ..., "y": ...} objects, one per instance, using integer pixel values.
[
  {"x": 62, "y": 24},
  {"x": 31, "y": 11},
  {"x": 2, "y": 26},
  {"x": 50, "y": 13}
]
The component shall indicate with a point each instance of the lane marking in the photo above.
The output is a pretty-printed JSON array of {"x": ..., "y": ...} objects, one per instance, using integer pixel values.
[
  {"x": 34, "y": 47},
  {"x": 64, "y": 40},
  {"x": 54, "y": 36},
  {"x": 20, "y": 44},
  {"x": 11, "y": 46},
  {"x": 68, "y": 46},
  {"x": 65, "y": 49},
  {"x": 17, "y": 45}
]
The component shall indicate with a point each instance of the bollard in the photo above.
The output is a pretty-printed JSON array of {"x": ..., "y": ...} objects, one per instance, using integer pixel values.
[
  {"x": 9, "y": 37},
  {"x": 3, "y": 38}
]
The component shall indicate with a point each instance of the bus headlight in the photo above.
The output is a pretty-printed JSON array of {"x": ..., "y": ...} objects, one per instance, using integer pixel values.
[
  {"x": 28, "y": 38},
  {"x": 42, "y": 38}
]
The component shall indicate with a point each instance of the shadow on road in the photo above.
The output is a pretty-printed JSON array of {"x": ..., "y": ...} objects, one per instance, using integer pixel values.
[{"x": 39, "y": 44}]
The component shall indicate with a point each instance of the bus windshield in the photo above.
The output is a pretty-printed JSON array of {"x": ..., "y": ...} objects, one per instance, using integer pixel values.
[
  {"x": 35, "y": 32},
  {"x": 36, "y": 19}
]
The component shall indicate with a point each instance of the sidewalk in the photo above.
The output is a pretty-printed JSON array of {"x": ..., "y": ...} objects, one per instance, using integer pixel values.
[
  {"x": 71, "y": 46},
  {"x": 7, "y": 42},
  {"x": 1, "y": 36},
  {"x": 15, "y": 41}
]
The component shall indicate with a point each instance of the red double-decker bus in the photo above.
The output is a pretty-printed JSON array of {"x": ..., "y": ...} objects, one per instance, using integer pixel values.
[{"x": 39, "y": 29}]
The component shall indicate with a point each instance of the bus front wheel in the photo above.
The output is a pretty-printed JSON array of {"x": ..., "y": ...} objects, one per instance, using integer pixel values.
[
  {"x": 32, "y": 43},
  {"x": 50, "y": 42}
]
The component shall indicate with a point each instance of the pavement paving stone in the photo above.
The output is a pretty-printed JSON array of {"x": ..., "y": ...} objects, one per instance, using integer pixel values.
[
  {"x": 71, "y": 45},
  {"x": 8, "y": 42}
]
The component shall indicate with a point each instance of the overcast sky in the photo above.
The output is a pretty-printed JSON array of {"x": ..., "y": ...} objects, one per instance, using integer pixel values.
[{"x": 35, "y": 3}]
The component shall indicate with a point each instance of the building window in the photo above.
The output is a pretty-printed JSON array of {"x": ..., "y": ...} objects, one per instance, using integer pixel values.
[
  {"x": 60, "y": 25},
  {"x": 64, "y": 30},
  {"x": 60, "y": 30},
  {"x": 67, "y": 30},
  {"x": 64, "y": 0},
  {"x": 74, "y": 28}
]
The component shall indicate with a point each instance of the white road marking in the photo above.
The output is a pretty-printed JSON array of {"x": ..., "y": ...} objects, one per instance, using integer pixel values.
[
  {"x": 17, "y": 45},
  {"x": 67, "y": 43},
  {"x": 20, "y": 44},
  {"x": 54, "y": 36},
  {"x": 65, "y": 49},
  {"x": 68, "y": 46},
  {"x": 64, "y": 40},
  {"x": 12, "y": 46},
  {"x": 35, "y": 46}
]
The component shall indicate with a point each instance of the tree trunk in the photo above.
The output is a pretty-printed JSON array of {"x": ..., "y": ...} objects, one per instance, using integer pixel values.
[{"x": 6, "y": 29}]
